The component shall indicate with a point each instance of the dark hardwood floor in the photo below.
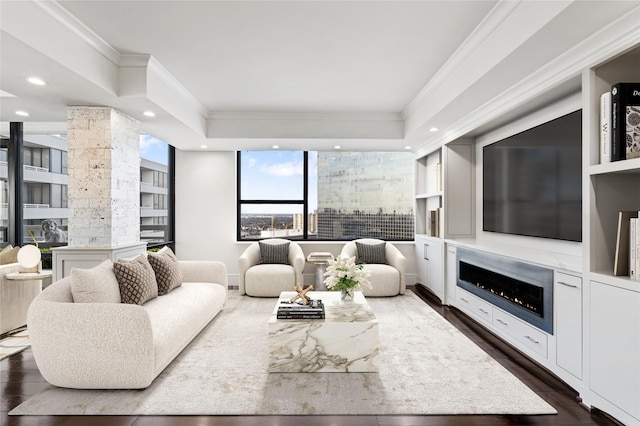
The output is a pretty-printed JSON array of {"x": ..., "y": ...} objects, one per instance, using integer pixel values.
[{"x": 20, "y": 379}]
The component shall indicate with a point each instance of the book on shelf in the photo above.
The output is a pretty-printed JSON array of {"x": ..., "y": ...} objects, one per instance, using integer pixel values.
[
  {"x": 621, "y": 259},
  {"x": 605, "y": 127},
  {"x": 625, "y": 121},
  {"x": 435, "y": 223},
  {"x": 633, "y": 267},
  {"x": 637, "y": 250}
]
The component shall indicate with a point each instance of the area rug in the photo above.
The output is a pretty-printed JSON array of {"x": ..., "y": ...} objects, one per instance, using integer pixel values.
[
  {"x": 426, "y": 367},
  {"x": 14, "y": 343}
]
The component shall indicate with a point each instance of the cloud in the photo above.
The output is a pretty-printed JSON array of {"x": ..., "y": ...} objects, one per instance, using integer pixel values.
[{"x": 284, "y": 169}]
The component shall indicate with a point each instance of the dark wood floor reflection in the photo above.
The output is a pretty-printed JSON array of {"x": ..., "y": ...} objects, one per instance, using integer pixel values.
[{"x": 20, "y": 379}]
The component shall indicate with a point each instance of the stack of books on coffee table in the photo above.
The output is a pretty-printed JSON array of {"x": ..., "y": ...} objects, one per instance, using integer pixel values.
[
  {"x": 319, "y": 257},
  {"x": 293, "y": 310}
]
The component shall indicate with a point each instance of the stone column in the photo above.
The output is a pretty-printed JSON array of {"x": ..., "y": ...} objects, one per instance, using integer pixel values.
[{"x": 103, "y": 188}]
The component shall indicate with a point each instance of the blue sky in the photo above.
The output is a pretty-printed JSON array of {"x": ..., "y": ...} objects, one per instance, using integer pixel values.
[
  {"x": 154, "y": 149},
  {"x": 277, "y": 175}
]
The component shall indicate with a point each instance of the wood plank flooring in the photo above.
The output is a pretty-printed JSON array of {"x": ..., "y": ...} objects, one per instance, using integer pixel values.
[{"x": 20, "y": 379}]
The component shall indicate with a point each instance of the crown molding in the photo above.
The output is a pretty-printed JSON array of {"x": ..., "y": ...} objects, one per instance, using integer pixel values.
[
  {"x": 614, "y": 39},
  {"x": 320, "y": 116},
  {"x": 489, "y": 24},
  {"x": 73, "y": 24}
]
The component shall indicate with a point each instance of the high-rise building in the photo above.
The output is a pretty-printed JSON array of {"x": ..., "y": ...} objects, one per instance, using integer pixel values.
[
  {"x": 365, "y": 194},
  {"x": 45, "y": 192}
]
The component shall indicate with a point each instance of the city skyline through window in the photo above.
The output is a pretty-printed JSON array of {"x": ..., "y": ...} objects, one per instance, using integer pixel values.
[{"x": 349, "y": 195}]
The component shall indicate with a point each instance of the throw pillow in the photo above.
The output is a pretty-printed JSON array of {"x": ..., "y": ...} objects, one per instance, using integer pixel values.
[
  {"x": 136, "y": 280},
  {"x": 9, "y": 254},
  {"x": 371, "y": 253},
  {"x": 167, "y": 269},
  {"x": 274, "y": 252},
  {"x": 95, "y": 285}
]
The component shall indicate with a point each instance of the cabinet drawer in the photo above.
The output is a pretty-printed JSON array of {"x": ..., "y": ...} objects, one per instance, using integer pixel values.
[
  {"x": 474, "y": 305},
  {"x": 521, "y": 331},
  {"x": 566, "y": 280}
]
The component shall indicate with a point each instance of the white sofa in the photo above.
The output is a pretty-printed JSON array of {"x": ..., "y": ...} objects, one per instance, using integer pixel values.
[
  {"x": 387, "y": 279},
  {"x": 118, "y": 345}
]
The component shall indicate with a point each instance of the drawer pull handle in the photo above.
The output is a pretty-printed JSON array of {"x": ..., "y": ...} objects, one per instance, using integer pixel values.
[
  {"x": 502, "y": 322},
  {"x": 464, "y": 300},
  {"x": 531, "y": 339},
  {"x": 483, "y": 311},
  {"x": 567, "y": 284}
]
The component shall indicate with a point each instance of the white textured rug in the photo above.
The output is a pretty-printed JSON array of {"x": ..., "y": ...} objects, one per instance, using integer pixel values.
[
  {"x": 14, "y": 343},
  {"x": 426, "y": 367}
]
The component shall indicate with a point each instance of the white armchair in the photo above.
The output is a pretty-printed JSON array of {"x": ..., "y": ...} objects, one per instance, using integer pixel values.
[
  {"x": 387, "y": 279},
  {"x": 260, "y": 278}
]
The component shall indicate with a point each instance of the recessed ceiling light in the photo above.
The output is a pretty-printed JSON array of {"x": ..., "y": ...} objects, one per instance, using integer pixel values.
[
  {"x": 203, "y": 146},
  {"x": 337, "y": 147},
  {"x": 37, "y": 81},
  {"x": 22, "y": 113},
  {"x": 407, "y": 147},
  {"x": 276, "y": 147},
  {"x": 149, "y": 114},
  {"x": 433, "y": 129}
]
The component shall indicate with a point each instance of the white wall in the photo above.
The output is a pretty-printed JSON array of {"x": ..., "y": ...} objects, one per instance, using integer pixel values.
[{"x": 206, "y": 214}]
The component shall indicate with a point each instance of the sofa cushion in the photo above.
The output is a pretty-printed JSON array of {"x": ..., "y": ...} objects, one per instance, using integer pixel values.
[
  {"x": 136, "y": 279},
  {"x": 384, "y": 279},
  {"x": 167, "y": 269},
  {"x": 274, "y": 252},
  {"x": 95, "y": 285},
  {"x": 269, "y": 280},
  {"x": 9, "y": 254},
  {"x": 371, "y": 253}
]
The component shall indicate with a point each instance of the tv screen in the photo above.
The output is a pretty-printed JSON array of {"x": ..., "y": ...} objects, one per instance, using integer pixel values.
[{"x": 532, "y": 181}]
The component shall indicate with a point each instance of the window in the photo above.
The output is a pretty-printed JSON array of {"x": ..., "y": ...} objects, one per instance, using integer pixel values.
[
  {"x": 325, "y": 195},
  {"x": 156, "y": 162}
]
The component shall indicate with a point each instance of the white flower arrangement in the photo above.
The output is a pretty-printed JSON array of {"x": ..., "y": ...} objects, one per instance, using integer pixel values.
[{"x": 344, "y": 274}]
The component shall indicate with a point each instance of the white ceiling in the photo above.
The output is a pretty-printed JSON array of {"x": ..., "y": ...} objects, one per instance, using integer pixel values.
[{"x": 245, "y": 74}]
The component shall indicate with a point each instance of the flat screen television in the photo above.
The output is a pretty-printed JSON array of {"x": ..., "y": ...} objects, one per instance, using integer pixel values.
[{"x": 532, "y": 181}]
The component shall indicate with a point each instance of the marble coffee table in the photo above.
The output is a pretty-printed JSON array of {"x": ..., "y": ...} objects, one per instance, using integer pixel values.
[{"x": 345, "y": 341}]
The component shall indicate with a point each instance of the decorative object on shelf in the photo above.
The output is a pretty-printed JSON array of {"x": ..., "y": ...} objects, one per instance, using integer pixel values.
[
  {"x": 344, "y": 274},
  {"x": 302, "y": 294}
]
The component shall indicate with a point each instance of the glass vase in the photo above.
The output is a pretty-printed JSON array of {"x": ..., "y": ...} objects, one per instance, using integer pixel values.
[{"x": 346, "y": 295}]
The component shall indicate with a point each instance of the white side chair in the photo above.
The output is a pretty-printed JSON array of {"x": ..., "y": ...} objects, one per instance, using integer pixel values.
[
  {"x": 387, "y": 279},
  {"x": 260, "y": 278}
]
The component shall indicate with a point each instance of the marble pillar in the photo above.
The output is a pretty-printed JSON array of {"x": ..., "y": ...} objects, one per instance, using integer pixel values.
[{"x": 103, "y": 187}]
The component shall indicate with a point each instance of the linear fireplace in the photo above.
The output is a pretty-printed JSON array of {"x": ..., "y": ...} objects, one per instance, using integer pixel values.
[{"x": 520, "y": 288}]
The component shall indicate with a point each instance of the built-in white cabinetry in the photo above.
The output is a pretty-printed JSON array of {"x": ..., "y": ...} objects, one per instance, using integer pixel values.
[
  {"x": 568, "y": 327},
  {"x": 595, "y": 343},
  {"x": 451, "y": 274},
  {"x": 428, "y": 190},
  {"x": 515, "y": 331},
  {"x": 612, "y": 313},
  {"x": 615, "y": 346},
  {"x": 430, "y": 264},
  {"x": 459, "y": 184},
  {"x": 445, "y": 180}
]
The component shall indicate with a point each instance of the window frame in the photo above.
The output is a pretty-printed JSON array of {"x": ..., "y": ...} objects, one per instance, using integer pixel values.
[{"x": 304, "y": 202}]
